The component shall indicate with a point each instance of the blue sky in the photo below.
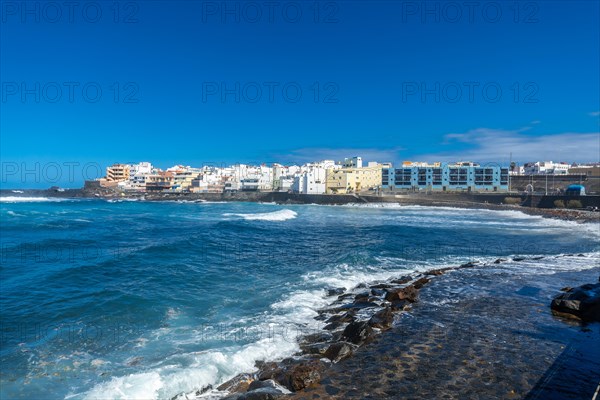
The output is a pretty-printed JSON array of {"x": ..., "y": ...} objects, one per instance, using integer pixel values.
[{"x": 192, "y": 82}]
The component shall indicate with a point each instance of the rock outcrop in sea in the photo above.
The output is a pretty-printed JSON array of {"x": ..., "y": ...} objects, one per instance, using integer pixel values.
[
  {"x": 355, "y": 316},
  {"x": 581, "y": 303}
]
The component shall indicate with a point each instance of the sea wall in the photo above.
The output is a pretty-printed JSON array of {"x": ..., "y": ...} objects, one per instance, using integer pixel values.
[
  {"x": 540, "y": 183},
  {"x": 462, "y": 199}
]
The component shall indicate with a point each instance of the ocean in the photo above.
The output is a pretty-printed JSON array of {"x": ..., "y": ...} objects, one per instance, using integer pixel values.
[{"x": 130, "y": 300}]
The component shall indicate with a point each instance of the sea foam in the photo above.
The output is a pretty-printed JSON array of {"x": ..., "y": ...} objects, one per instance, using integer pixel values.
[
  {"x": 19, "y": 199},
  {"x": 281, "y": 215}
]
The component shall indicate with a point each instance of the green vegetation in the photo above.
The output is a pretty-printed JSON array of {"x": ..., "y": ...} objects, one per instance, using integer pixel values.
[
  {"x": 574, "y": 204},
  {"x": 559, "y": 204}
]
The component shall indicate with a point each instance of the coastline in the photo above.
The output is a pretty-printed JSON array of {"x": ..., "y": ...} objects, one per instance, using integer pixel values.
[
  {"x": 464, "y": 201},
  {"x": 355, "y": 294},
  {"x": 509, "y": 346},
  {"x": 386, "y": 332}
]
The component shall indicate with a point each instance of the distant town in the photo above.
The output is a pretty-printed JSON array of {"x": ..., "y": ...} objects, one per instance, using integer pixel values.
[{"x": 350, "y": 176}]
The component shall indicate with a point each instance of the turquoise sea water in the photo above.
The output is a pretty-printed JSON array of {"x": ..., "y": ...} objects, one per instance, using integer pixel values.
[{"x": 107, "y": 300}]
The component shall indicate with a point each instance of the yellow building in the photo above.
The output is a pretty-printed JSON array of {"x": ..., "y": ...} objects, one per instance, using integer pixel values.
[
  {"x": 117, "y": 173},
  {"x": 182, "y": 181},
  {"x": 352, "y": 180}
]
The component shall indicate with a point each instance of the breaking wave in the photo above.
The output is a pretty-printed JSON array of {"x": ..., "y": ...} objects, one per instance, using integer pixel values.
[
  {"x": 19, "y": 199},
  {"x": 281, "y": 215}
]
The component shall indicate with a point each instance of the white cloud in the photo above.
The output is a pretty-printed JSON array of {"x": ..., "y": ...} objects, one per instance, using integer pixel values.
[
  {"x": 495, "y": 145},
  {"x": 594, "y": 114}
]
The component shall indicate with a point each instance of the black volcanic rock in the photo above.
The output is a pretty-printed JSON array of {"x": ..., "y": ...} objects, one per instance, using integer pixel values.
[
  {"x": 582, "y": 303},
  {"x": 470, "y": 264},
  {"x": 346, "y": 317},
  {"x": 421, "y": 282},
  {"x": 382, "y": 285},
  {"x": 357, "y": 332},
  {"x": 293, "y": 374},
  {"x": 335, "y": 291},
  {"x": 358, "y": 305},
  {"x": 239, "y": 383},
  {"x": 437, "y": 272},
  {"x": 333, "y": 326},
  {"x": 408, "y": 293},
  {"x": 362, "y": 295},
  {"x": 402, "y": 280},
  {"x": 315, "y": 348},
  {"x": 339, "y": 350},
  {"x": 266, "y": 384},
  {"x": 382, "y": 319},
  {"x": 317, "y": 337},
  {"x": 400, "y": 305}
]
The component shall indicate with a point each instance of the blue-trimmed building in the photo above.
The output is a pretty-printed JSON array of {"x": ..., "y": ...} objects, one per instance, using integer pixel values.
[{"x": 446, "y": 177}]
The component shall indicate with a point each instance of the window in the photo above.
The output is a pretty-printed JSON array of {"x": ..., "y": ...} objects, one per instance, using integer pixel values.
[
  {"x": 437, "y": 176},
  {"x": 403, "y": 177}
]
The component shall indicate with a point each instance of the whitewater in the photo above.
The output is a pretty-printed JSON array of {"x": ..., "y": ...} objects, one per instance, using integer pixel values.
[{"x": 150, "y": 300}]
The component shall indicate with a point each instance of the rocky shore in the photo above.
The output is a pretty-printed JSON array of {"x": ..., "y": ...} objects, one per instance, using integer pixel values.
[{"x": 355, "y": 317}]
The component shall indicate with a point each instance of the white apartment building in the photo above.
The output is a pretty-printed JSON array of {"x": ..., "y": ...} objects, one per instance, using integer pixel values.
[
  {"x": 312, "y": 178},
  {"x": 546, "y": 167},
  {"x": 354, "y": 162},
  {"x": 141, "y": 168}
]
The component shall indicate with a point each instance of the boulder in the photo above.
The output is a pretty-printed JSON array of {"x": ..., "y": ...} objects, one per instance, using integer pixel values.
[
  {"x": 437, "y": 272},
  {"x": 408, "y": 293},
  {"x": 237, "y": 384},
  {"x": 322, "y": 315},
  {"x": 316, "y": 337},
  {"x": 382, "y": 319},
  {"x": 303, "y": 375},
  {"x": 345, "y": 296},
  {"x": 582, "y": 303},
  {"x": 365, "y": 299},
  {"x": 294, "y": 374},
  {"x": 357, "y": 332},
  {"x": 381, "y": 286},
  {"x": 421, "y": 282},
  {"x": 362, "y": 295},
  {"x": 470, "y": 264},
  {"x": 339, "y": 350},
  {"x": 346, "y": 317},
  {"x": 499, "y": 260},
  {"x": 315, "y": 348},
  {"x": 402, "y": 280},
  {"x": 400, "y": 305},
  {"x": 333, "y": 326},
  {"x": 335, "y": 291},
  {"x": 263, "y": 393},
  {"x": 519, "y": 259},
  {"x": 358, "y": 305},
  {"x": 268, "y": 370}
]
